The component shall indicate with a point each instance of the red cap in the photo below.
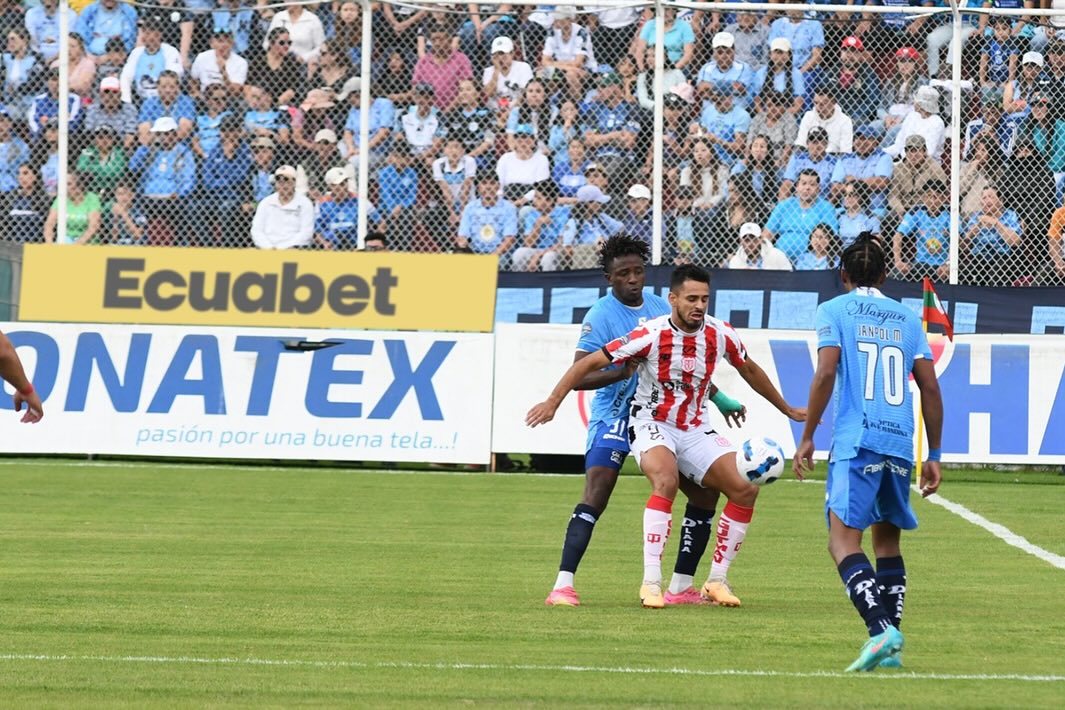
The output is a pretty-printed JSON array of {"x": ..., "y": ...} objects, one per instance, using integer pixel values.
[
  {"x": 907, "y": 53},
  {"x": 852, "y": 43}
]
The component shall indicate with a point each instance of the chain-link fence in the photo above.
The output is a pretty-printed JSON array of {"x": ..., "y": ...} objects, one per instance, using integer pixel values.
[{"x": 532, "y": 131}]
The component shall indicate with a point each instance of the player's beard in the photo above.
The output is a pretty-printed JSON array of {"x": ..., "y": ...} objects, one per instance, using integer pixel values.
[{"x": 689, "y": 322}]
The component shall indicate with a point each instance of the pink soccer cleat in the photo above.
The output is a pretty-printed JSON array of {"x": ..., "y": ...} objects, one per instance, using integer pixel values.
[
  {"x": 688, "y": 596},
  {"x": 566, "y": 596}
]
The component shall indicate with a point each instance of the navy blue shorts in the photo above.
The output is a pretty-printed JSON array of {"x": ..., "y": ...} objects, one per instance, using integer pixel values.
[{"x": 608, "y": 444}]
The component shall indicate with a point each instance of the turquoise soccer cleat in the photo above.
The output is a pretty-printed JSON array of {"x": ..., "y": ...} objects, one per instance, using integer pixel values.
[
  {"x": 892, "y": 661},
  {"x": 876, "y": 649}
]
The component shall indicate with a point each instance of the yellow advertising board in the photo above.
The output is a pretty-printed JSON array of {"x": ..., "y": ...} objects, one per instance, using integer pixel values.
[{"x": 252, "y": 287}]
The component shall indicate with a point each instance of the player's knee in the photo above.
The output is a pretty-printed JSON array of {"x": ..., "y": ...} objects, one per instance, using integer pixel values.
[
  {"x": 745, "y": 496},
  {"x": 664, "y": 484}
]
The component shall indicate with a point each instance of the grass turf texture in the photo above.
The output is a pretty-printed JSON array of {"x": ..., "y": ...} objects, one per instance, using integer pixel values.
[{"x": 374, "y": 572}]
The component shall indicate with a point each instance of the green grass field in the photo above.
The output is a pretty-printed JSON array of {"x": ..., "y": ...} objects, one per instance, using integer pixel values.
[{"x": 192, "y": 586}]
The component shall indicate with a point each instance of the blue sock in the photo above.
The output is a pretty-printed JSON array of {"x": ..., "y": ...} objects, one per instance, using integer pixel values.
[
  {"x": 694, "y": 536},
  {"x": 858, "y": 578},
  {"x": 891, "y": 579},
  {"x": 578, "y": 535}
]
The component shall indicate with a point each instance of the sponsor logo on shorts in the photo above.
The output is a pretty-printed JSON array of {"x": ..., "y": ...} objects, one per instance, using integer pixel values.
[
  {"x": 890, "y": 466},
  {"x": 617, "y": 456}
]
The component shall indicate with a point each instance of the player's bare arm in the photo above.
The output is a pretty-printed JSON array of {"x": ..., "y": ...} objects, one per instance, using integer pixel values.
[
  {"x": 820, "y": 392},
  {"x": 11, "y": 370},
  {"x": 603, "y": 378},
  {"x": 545, "y": 411},
  {"x": 924, "y": 375},
  {"x": 755, "y": 376},
  {"x": 735, "y": 414}
]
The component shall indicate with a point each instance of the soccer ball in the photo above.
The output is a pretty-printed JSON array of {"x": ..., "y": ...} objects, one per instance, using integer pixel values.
[{"x": 761, "y": 460}]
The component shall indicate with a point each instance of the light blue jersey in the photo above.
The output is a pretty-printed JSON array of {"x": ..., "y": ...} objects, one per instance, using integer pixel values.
[
  {"x": 606, "y": 320},
  {"x": 879, "y": 340}
]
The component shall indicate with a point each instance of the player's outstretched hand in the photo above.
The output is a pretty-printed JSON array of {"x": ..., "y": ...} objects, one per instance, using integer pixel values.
[
  {"x": 34, "y": 408},
  {"x": 930, "y": 478},
  {"x": 797, "y": 414},
  {"x": 804, "y": 458},
  {"x": 540, "y": 414},
  {"x": 736, "y": 418}
]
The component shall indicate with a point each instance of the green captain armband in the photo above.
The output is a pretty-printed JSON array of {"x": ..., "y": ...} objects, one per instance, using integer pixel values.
[{"x": 725, "y": 404}]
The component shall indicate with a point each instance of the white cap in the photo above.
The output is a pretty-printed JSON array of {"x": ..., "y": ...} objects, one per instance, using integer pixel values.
[
  {"x": 164, "y": 124},
  {"x": 502, "y": 43},
  {"x": 285, "y": 171},
  {"x": 110, "y": 83},
  {"x": 335, "y": 176},
  {"x": 564, "y": 12},
  {"x": 927, "y": 98},
  {"x": 748, "y": 229},
  {"x": 326, "y": 134},
  {"x": 639, "y": 192},
  {"x": 780, "y": 44},
  {"x": 591, "y": 193},
  {"x": 723, "y": 39},
  {"x": 1032, "y": 58}
]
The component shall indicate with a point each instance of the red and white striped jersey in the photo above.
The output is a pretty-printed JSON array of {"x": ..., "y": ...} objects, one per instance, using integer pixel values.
[{"x": 674, "y": 378}]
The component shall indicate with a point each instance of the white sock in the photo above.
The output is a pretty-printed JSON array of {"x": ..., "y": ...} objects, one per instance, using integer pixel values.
[
  {"x": 564, "y": 579},
  {"x": 680, "y": 582},
  {"x": 657, "y": 522},
  {"x": 731, "y": 529}
]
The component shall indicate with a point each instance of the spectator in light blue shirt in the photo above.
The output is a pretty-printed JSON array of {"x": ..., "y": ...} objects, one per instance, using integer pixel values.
[
  {"x": 167, "y": 172},
  {"x": 815, "y": 158},
  {"x": 807, "y": 38},
  {"x": 868, "y": 164},
  {"x": 991, "y": 240},
  {"x": 588, "y": 227},
  {"x": 170, "y": 103},
  {"x": 225, "y": 170},
  {"x": 782, "y": 76},
  {"x": 382, "y": 118},
  {"x": 823, "y": 253},
  {"x": 927, "y": 227},
  {"x": 724, "y": 68},
  {"x": 105, "y": 19},
  {"x": 678, "y": 39},
  {"x": 42, "y": 22},
  {"x": 568, "y": 172},
  {"x": 725, "y": 124},
  {"x": 232, "y": 16},
  {"x": 489, "y": 224},
  {"x": 542, "y": 225},
  {"x": 337, "y": 223},
  {"x": 398, "y": 187},
  {"x": 13, "y": 153},
  {"x": 855, "y": 216},
  {"x": 791, "y": 221}
]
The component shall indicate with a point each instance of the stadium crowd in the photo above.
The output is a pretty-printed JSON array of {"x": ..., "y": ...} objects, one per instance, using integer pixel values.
[{"x": 527, "y": 131}]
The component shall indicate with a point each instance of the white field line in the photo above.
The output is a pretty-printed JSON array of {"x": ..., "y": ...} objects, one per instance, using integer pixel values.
[
  {"x": 525, "y": 667},
  {"x": 1000, "y": 531}
]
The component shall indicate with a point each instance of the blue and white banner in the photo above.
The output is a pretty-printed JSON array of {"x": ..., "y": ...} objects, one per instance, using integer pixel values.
[
  {"x": 1004, "y": 396},
  {"x": 254, "y": 393}
]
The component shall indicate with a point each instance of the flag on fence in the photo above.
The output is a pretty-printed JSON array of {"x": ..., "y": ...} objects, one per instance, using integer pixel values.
[{"x": 934, "y": 311}]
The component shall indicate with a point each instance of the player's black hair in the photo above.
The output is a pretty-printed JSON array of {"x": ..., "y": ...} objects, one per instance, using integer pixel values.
[
  {"x": 688, "y": 272},
  {"x": 864, "y": 260},
  {"x": 622, "y": 245}
]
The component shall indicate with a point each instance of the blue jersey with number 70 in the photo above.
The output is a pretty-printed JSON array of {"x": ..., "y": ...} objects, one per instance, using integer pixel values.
[{"x": 879, "y": 339}]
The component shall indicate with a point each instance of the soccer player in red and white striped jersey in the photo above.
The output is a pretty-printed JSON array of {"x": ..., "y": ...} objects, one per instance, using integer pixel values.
[{"x": 678, "y": 354}]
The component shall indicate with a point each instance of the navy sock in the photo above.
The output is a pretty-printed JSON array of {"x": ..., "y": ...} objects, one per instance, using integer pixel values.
[
  {"x": 578, "y": 535},
  {"x": 858, "y": 578},
  {"x": 694, "y": 536},
  {"x": 891, "y": 578}
]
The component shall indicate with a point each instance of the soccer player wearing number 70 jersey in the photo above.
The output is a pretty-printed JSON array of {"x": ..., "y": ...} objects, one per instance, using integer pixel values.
[
  {"x": 678, "y": 353},
  {"x": 867, "y": 346}
]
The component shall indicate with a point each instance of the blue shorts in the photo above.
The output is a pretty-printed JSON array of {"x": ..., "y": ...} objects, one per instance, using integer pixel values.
[
  {"x": 870, "y": 488},
  {"x": 608, "y": 444}
]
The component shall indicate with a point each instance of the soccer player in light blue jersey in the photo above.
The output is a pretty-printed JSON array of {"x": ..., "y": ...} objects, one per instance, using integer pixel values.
[
  {"x": 619, "y": 312},
  {"x": 867, "y": 347}
]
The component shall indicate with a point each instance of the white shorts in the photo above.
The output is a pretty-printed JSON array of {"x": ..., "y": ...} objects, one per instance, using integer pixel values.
[{"x": 696, "y": 449}]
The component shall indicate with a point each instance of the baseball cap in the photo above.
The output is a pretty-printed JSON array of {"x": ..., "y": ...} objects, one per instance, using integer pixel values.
[
  {"x": 907, "y": 53},
  {"x": 524, "y": 129},
  {"x": 991, "y": 98},
  {"x": 106, "y": 128},
  {"x": 750, "y": 229},
  {"x": 591, "y": 193},
  {"x": 502, "y": 44},
  {"x": 263, "y": 142},
  {"x": 671, "y": 100},
  {"x": 564, "y": 12},
  {"x": 317, "y": 98},
  {"x": 222, "y": 30},
  {"x": 639, "y": 192},
  {"x": 867, "y": 131},
  {"x": 325, "y": 135},
  {"x": 351, "y": 86},
  {"x": 110, "y": 83},
  {"x": 164, "y": 124},
  {"x": 916, "y": 142},
  {"x": 610, "y": 79},
  {"x": 817, "y": 134},
  {"x": 594, "y": 167},
  {"x": 286, "y": 171},
  {"x": 1032, "y": 58},
  {"x": 424, "y": 89},
  {"x": 935, "y": 186},
  {"x": 723, "y": 39},
  {"x": 780, "y": 44},
  {"x": 335, "y": 176},
  {"x": 852, "y": 43}
]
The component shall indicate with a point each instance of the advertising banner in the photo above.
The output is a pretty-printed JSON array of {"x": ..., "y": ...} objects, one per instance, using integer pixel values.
[
  {"x": 254, "y": 393},
  {"x": 255, "y": 287},
  {"x": 782, "y": 300},
  {"x": 1004, "y": 396}
]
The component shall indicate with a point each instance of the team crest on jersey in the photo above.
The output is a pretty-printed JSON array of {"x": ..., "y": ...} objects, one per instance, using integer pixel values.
[
  {"x": 687, "y": 364},
  {"x": 586, "y": 329}
]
